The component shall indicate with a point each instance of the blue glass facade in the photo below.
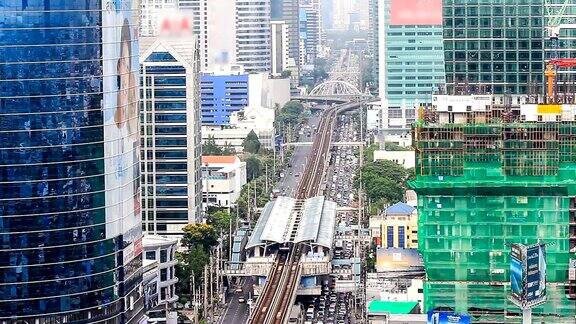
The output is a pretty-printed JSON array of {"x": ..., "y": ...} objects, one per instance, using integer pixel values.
[
  {"x": 69, "y": 244},
  {"x": 220, "y": 95}
]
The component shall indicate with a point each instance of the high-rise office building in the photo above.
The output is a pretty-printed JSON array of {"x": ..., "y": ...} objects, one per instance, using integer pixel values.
[
  {"x": 410, "y": 57},
  {"x": 309, "y": 32},
  {"x": 221, "y": 95},
  {"x": 253, "y": 38},
  {"x": 171, "y": 139},
  {"x": 486, "y": 180},
  {"x": 279, "y": 49},
  {"x": 71, "y": 242},
  {"x": 151, "y": 14},
  {"x": 216, "y": 31},
  {"x": 494, "y": 47},
  {"x": 373, "y": 36},
  {"x": 287, "y": 11}
]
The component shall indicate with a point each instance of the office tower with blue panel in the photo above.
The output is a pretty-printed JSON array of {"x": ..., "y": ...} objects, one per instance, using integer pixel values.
[
  {"x": 222, "y": 95},
  {"x": 171, "y": 140},
  {"x": 70, "y": 222}
]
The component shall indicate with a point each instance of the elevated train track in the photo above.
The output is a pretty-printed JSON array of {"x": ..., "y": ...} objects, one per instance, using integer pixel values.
[{"x": 279, "y": 293}]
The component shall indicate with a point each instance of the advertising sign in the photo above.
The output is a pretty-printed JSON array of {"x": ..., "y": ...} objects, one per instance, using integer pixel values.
[
  {"x": 572, "y": 269},
  {"x": 447, "y": 318},
  {"x": 121, "y": 129},
  {"x": 528, "y": 275},
  {"x": 535, "y": 275},
  {"x": 416, "y": 12},
  {"x": 517, "y": 271}
]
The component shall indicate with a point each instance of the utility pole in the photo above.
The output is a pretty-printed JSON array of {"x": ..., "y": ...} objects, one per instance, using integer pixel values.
[
  {"x": 274, "y": 159},
  {"x": 266, "y": 176},
  {"x": 205, "y": 304}
]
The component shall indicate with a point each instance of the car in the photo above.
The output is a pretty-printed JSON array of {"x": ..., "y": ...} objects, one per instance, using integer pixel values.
[
  {"x": 241, "y": 299},
  {"x": 238, "y": 290}
]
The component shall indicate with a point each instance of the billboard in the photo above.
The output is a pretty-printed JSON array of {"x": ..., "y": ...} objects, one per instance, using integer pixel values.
[
  {"x": 121, "y": 130},
  {"x": 447, "y": 318},
  {"x": 416, "y": 12},
  {"x": 517, "y": 253},
  {"x": 535, "y": 275},
  {"x": 528, "y": 275}
]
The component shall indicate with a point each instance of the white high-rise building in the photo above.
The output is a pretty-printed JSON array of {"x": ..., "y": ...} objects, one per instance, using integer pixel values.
[
  {"x": 152, "y": 12},
  {"x": 229, "y": 31},
  {"x": 215, "y": 25},
  {"x": 253, "y": 39},
  {"x": 171, "y": 136},
  {"x": 280, "y": 46}
]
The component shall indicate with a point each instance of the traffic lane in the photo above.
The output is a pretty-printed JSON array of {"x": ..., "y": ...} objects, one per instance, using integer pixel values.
[
  {"x": 289, "y": 183},
  {"x": 238, "y": 312}
]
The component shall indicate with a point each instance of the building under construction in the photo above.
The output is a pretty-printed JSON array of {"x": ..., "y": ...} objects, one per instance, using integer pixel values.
[{"x": 486, "y": 177}]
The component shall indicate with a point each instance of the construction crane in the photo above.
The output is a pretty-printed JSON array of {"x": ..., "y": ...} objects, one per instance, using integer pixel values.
[
  {"x": 550, "y": 73},
  {"x": 553, "y": 28}
]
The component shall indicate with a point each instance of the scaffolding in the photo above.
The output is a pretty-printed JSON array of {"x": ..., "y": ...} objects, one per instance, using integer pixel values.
[{"x": 482, "y": 186}]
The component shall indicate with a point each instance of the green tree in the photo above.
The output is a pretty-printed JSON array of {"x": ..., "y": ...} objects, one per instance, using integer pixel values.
[
  {"x": 289, "y": 115},
  {"x": 228, "y": 149},
  {"x": 199, "y": 234},
  {"x": 197, "y": 241},
  {"x": 253, "y": 167},
  {"x": 384, "y": 182},
  {"x": 251, "y": 143},
  {"x": 190, "y": 263},
  {"x": 210, "y": 147},
  {"x": 220, "y": 219}
]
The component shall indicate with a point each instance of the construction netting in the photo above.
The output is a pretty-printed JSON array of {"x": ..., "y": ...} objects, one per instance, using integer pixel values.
[{"x": 482, "y": 187}]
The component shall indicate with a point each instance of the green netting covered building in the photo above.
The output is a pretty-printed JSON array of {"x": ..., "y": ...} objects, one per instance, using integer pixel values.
[{"x": 481, "y": 187}]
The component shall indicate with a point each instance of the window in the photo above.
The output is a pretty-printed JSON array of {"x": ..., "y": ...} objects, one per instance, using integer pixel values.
[
  {"x": 390, "y": 236},
  {"x": 401, "y": 237},
  {"x": 394, "y": 113},
  {"x": 150, "y": 255},
  {"x": 163, "y": 274},
  {"x": 163, "y": 256}
]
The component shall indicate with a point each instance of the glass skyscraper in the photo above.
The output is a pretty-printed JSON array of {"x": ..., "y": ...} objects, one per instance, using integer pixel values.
[
  {"x": 494, "y": 46},
  {"x": 70, "y": 221}
]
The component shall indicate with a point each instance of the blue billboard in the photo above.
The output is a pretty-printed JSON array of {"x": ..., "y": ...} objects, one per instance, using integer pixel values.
[
  {"x": 528, "y": 275},
  {"x": 517, "y": 254},
  {"x": 535, "y": 275},
  {"x": 447, "y": 318}
]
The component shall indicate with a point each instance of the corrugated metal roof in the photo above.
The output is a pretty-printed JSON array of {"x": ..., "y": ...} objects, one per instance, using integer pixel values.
[
  {"x": 326, "y": 232},
  {"x": 279, "y": 220},
  {"x": 310, "y": 220},
  {"x": 316, "y": 224},
  {"x": 260, "y": 224}
]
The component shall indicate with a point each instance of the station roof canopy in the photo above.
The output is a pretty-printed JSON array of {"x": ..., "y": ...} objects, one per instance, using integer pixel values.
[{"x": 317, "y": 220}]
